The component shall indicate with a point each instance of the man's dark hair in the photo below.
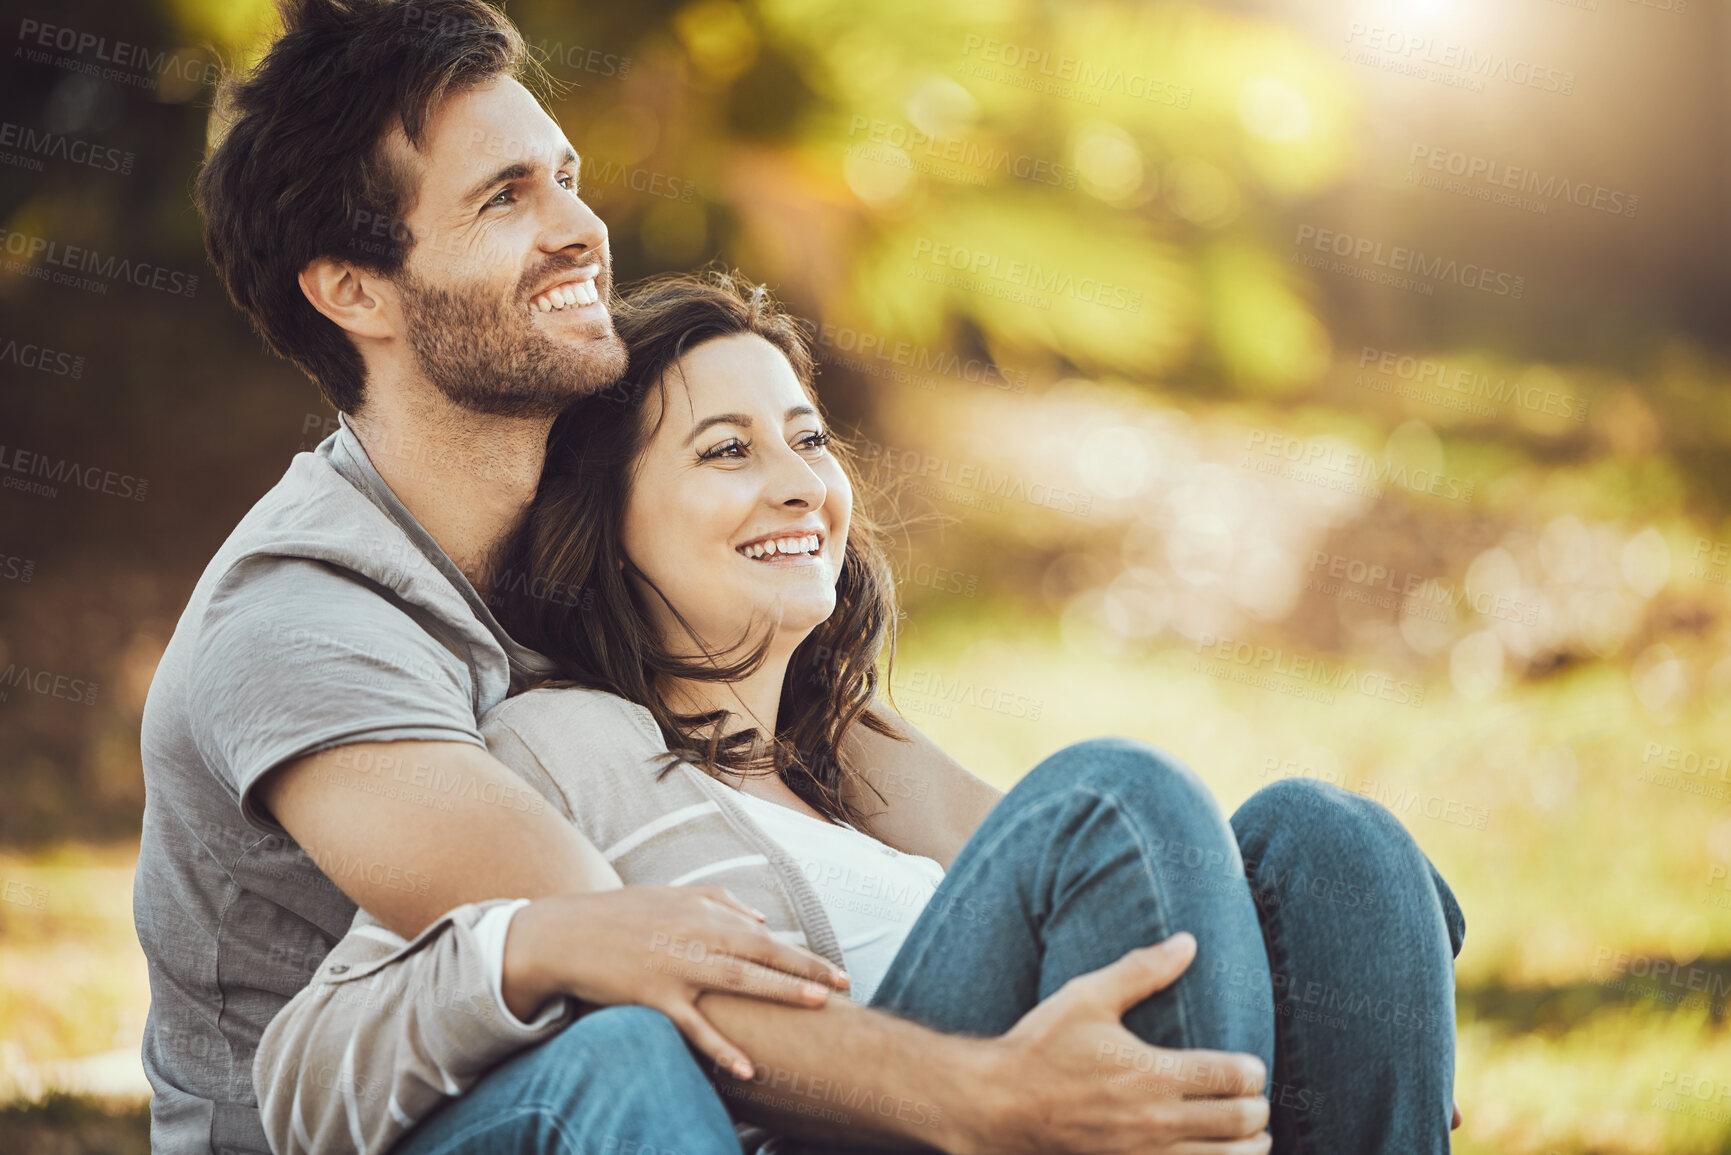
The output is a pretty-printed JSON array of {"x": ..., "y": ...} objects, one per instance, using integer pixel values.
[{"x": 302, "y": 171}]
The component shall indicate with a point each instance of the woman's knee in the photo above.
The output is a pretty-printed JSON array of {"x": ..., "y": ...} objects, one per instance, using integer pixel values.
[
  {"x": 1125, "y": 768},
  {"x": 1339, "y": 845},
  {"x": 608, "y": 1043}
]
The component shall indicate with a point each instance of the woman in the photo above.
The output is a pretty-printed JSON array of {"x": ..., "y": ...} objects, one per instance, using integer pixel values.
[{"x": 717, "y": 673}]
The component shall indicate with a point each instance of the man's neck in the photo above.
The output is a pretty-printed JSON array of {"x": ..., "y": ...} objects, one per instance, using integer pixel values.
[{"x": 467, "y": 477}]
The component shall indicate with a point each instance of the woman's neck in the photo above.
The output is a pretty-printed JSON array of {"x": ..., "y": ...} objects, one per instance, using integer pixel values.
[{"x": 752, "y": 702}]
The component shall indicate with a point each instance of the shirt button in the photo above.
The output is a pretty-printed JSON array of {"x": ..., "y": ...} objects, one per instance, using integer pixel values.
[{"x": 339, "y": 968}]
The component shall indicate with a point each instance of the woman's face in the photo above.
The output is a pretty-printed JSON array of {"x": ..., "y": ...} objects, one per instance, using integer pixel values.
[{"x": 737, "y": 511}]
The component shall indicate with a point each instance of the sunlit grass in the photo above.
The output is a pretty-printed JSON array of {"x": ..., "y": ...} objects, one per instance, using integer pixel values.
[
  {"x": 73, "y": 982},
  {"x": 1624, "y": 1075}
]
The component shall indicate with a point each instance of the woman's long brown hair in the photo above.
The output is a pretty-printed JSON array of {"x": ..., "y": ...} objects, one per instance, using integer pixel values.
[{"x": 574, "y": 600}]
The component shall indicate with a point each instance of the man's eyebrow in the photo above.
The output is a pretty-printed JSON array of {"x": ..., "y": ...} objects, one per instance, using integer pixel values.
[{"x": 516, "y": 171}]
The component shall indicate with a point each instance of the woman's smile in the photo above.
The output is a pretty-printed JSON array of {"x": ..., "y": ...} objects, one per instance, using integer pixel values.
[{"x": 786, "y": 548}]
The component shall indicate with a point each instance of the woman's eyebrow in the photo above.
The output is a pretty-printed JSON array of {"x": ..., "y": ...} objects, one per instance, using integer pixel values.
[{"x": 743, "y": 420}]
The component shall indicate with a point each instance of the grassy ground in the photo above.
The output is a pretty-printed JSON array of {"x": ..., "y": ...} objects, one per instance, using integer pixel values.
[{"x": 1572, "y": 858}]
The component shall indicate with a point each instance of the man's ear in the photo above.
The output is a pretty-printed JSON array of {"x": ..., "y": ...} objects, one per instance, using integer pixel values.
[{"x": 352, "y": 297}]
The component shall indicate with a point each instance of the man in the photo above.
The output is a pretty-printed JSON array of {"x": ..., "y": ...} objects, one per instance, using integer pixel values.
[{"x": 400, "y": 218}]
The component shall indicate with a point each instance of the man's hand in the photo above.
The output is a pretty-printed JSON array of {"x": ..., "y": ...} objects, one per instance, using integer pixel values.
[
  {"x": 661, "y": 947},
  {"x": 1070, "y": 1078}
]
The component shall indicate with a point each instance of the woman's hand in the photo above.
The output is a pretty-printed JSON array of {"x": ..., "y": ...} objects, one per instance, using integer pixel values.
[
  {"x": 661, "y": 947},
  {"x": 1455, "y": 1123}
]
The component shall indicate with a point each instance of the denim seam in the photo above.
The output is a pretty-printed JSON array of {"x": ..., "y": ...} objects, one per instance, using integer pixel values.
[
  {"x": 1288, "y": 1055},
  {"x": 1162, "y": 903},
  {"x": 517, "y": 1111}
]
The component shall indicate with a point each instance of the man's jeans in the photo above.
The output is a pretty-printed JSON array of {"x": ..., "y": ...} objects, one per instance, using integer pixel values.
[{"x": 1325, "y": 946}]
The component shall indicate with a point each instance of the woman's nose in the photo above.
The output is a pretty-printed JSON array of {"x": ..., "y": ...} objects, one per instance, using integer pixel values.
[{"x": 794, "y": 484}]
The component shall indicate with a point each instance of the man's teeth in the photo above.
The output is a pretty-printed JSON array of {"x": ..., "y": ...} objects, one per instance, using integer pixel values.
[
  {"x": 782, "y": 545},
  {"x": 564, "y": 296}
]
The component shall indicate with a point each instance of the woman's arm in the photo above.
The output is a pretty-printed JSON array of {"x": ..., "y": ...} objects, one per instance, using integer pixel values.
[{"x": 931, "y": 803}]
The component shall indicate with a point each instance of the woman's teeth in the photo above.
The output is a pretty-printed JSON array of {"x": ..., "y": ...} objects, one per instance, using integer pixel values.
[
  {"x": 571, "y": 293},
  {"x": 782, "y": 545}
]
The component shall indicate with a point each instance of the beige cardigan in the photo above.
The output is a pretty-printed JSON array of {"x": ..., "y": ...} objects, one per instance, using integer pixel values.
[{"x": 388, "y": 1029}]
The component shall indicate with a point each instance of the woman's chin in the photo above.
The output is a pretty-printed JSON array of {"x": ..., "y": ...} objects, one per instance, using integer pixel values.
[{"x": 800, "y": 616}]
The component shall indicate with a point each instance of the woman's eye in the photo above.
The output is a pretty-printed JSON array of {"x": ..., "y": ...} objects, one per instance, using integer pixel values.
[
  {"x": 814, "y": 441},
  {"x": 726, "y": 449}
]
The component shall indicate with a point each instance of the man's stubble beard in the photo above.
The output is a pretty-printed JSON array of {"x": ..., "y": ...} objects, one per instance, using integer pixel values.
[{"x": 489, "y": 357}]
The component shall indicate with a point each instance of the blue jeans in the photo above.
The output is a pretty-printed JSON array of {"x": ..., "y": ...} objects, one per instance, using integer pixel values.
[{"x": 1325, "y": 946}]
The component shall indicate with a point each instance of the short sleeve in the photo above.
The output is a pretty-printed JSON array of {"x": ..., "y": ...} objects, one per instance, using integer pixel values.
[{"x": 295, "y": 656}]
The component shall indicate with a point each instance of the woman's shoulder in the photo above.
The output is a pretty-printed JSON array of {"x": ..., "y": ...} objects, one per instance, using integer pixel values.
[{"x": 576, "y": 713}]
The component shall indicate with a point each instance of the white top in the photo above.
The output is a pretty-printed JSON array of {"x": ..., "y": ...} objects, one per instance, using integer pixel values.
[{"x": 871, "y": 892}]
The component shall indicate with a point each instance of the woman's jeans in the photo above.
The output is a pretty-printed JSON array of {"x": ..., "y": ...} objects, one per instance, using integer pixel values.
[{"x": 1325, "y": 946}]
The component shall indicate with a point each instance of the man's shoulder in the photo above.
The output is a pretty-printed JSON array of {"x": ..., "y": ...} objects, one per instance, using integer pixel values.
[{"x": 317, "y": 514}]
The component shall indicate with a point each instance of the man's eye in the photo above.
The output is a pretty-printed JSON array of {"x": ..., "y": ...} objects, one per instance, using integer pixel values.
[
  {"x": 500, "y": 199},
  {"x": 567, "y": 182}
]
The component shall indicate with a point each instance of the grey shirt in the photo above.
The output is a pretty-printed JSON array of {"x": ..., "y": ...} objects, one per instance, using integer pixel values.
[{"x": 329, "y": 616}]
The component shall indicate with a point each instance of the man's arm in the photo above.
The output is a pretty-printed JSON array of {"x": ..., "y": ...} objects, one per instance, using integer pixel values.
[
  {"x": 460, "y": 827},
  {"x": 466, "y": 828},
  {"x": 931, "y": 804},
  {"x": 1068, "y": 1078}
]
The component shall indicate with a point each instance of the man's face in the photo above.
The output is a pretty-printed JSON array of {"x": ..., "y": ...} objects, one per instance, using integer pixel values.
[{"x": 504, "y": 295}]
